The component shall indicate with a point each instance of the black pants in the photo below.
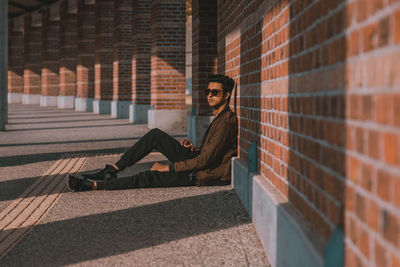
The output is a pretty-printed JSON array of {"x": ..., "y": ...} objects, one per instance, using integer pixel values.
[{"x": 169, "y": 147}]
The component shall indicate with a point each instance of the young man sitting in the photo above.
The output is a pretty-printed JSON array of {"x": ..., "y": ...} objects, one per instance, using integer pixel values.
[{"x": 210, "y": 165}]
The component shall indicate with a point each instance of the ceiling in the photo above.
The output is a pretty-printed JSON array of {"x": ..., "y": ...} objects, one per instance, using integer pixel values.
[{"x": 19, "y": 7}]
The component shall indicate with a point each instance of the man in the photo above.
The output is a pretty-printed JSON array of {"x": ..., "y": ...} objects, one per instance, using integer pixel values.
[{"x": 210, "y": 165}]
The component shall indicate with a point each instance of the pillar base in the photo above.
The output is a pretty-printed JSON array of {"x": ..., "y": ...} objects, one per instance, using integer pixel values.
[
  {"x": 197, "y": 126},
  {"x": 15, "y": 97},
  {"x": 48, "y": 101},
  {"x": 66, "y": 101},
  {"x": 84, "y": 104},
  {"x": 167, "y": 119},
  {"x": 278, "y": 224},
  {"x": 138, "y": 113},
  {"x": 28, "y": 99},
  {"x": 120, "y": 109},
  {"x": 102, "y": 106}
]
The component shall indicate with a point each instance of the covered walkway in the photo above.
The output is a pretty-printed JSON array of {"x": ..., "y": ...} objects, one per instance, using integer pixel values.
[{"x": 204, "y": 226}]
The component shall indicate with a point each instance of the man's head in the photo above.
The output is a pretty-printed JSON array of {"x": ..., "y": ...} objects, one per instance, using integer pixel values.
[{"x": 219, "y": 90}]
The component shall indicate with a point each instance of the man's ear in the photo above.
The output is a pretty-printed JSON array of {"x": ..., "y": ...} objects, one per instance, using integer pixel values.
[{"x": 227, "y": 95}]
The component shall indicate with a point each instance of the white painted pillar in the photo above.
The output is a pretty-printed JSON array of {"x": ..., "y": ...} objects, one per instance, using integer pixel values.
[{"x": 3, "y": 63}]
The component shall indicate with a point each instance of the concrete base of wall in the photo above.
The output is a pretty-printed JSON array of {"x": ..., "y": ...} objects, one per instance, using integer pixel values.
[
  {"x": 167, "y": 119},
  {"x": 197, "y": 126},
  {"x": 66, "y": 101},
  {"x": 31, "y": 99},
  {"x": 120, "y": 109},
  {"x": 48, "y": 101},
  {"x": 102, "y": 106},
  {"x": 138, "y": 114},
  {"x": 84, "y": 104},
  {"x": 287, "y": 237},
  {"x": 14, "y": 97}
]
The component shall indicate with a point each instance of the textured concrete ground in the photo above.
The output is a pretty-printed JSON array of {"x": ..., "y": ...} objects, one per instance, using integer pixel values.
[{"x": 191, "y": 226}]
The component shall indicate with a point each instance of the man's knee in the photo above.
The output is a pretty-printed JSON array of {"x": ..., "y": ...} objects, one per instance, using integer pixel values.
[{"x": 156, "y": 132}]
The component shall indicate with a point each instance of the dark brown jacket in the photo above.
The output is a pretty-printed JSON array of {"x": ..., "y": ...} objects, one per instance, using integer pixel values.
[{"x": 218, "y": 147}]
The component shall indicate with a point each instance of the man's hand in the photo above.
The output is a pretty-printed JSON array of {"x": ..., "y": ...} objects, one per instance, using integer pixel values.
[
  {"x": 187, "y": 143},
  {"x": 160, "y": 167}
]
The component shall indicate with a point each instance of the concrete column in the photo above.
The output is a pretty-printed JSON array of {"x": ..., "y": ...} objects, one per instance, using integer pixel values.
[
  {"x": 141, "y": 61},
  {"x": 204, "y": 63},
  {"x": 104, "y": 17},
  {"x": 50, "y": 55},
  {"x": 168, "y": 84},
  {"x": 68, "y": 52},
  {"x": 85, "y": 57},
  {"x": 15, "y": 60},
  {"x": 32, "y": 58},
  {"x": 3, "y": 63},
  {"x": 122, "y": 66}
]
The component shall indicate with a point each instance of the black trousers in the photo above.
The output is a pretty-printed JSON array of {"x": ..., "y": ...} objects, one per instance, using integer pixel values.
[{"x": 169, "y": 147}]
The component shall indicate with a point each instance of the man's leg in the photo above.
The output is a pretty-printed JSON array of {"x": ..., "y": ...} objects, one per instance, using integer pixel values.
[
  {"x": 148, "y": 179},
  {"x": 158, "y": 140}
]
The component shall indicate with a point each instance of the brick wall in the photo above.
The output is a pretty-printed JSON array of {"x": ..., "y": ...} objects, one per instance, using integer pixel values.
[
  {"x": 32, "y": 57},
  {"x": 85, "y": 50},
  {"x": 122, "y": 66},
  {"x": 68, "y": 49},
  {"x": 15, "y": 59},
  {"x": 204, "y": 51},
  {"x": 319, "y": 94},
  {"x": 104, "y": 49},
  {"x": 141, "y": 52},
  {"x": 50, "y": 54},
  {"x": 372, "y": 214},
  {"x": 168, "y": 82}
]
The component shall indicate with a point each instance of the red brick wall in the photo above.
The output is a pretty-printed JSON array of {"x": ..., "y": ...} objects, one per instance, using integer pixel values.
[
  {"x": 104, "y": 49},
  {"x": 319, "y": 93},
  {"x": 122, "y": 66},
  {"x": 141, "y": 52},
  {"x": 15, "y": 59},
  {"x": 168, "y": 54},
  {"x": 50, "y": 55},
  {"x": 32, "y": 57},
  {"x": 372, "y": 214},
  {"x": 68, "y": 50},
  {"x": 204, "y": 51},
  {"x": 85, "y": 50}
]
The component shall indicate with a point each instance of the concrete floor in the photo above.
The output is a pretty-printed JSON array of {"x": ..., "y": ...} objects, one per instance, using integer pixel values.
[{"x": 189, "y": 226}]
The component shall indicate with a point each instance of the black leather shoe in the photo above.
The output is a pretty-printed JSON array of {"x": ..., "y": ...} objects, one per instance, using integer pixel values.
[
  {"x": 78, "y": 183},
  {"x": 108, "y": 173}
]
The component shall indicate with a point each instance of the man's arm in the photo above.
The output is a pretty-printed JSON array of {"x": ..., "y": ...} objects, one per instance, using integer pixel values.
[{"x": 211, "y": 151}]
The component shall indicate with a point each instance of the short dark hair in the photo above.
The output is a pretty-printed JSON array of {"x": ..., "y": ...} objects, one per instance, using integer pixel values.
[{"x": 227, "y": 82}]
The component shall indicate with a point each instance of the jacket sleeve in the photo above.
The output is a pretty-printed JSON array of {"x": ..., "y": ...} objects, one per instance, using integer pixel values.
[{"x": 211, "y": 152}]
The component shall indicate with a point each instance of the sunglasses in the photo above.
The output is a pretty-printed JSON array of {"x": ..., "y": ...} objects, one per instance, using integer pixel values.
[{"x": 214, "y": 92}]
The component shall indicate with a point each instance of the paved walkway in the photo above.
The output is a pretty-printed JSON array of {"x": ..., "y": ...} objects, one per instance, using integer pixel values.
[{"x": 43, "y": 224}]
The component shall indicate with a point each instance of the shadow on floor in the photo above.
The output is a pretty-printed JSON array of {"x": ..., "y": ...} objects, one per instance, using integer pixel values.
[{"x": 107, "y": 234}]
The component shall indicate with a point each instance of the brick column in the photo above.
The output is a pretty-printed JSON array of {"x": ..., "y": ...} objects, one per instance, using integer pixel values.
[
  {"x": 85, "y": 56},
  {"x": 141, "y": 61},
  {"x": 68, "y": 52},
  {"x": 32, "y": 58},
  {"x": 16, "y": 60},
  {"x": 104, "y": 13},
  {"x": 122, "y": 66},
  {"x": 50, "y": 51},
  {"x": 168, "y": 109},
  {"x": 3, "y": 64},
  {"x": 204, "y": 63}
]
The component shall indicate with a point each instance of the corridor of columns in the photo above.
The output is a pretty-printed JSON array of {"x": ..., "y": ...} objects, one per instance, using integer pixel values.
[{"x": 316, "y": 181}]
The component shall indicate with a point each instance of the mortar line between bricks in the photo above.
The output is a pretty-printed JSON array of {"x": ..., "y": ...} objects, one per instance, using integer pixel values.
[{"x": 38, "y": 209}]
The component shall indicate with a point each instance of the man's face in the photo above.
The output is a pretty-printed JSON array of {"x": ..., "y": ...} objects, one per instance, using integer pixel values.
[{"x": 216, "y": 96}]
